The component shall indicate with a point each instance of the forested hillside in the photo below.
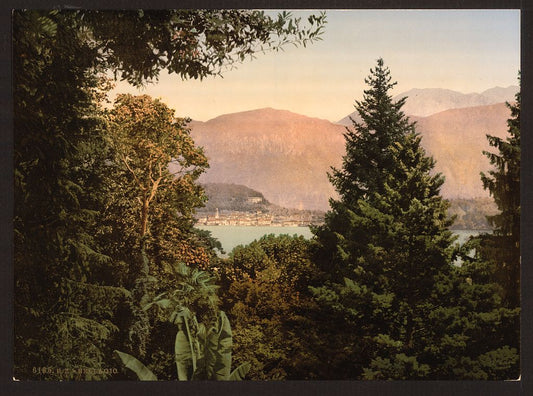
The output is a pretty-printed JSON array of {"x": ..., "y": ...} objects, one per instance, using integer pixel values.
[
  {"x": 471, "y": 214},
  {"x": 233, "y": 197}
]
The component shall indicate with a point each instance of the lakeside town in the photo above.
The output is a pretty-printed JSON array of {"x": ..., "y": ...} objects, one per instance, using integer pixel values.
[
  {"x": 258, "y": 218},
  {"x": 236, "y": 205}
]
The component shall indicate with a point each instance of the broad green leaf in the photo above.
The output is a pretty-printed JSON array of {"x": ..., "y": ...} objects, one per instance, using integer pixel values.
[
  {"x": 173, "y": 317},
  {"x": 240, "y": 372},
  {"x": 225, "y": 342},
  {"x": 201, "y": 333},
  {"x": 211, "y": 354},
  {"x": 182, "y": 355},
  {"x": 143, "y": 373}
]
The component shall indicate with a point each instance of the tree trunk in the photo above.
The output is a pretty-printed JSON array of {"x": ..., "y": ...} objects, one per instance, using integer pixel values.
[{"x": 144, "y": 217}]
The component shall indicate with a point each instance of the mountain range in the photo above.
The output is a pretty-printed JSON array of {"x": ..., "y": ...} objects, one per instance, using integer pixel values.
[
  {"x": 428, "y": 101},
  {"x": 286, "y": 156}
]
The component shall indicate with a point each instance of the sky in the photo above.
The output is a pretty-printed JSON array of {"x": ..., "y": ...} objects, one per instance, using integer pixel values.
[{"x": 462, "y": 50}]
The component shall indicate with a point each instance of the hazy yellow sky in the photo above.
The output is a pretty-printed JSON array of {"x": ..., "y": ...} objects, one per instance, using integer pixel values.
[{"x": 463, "y": 50}]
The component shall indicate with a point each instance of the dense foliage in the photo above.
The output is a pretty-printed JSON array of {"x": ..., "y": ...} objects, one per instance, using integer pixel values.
[
  {"x": 402, "y": 310},
  {"x": 152, "y": 207},
  {"x": 65, "y": 294},
  {"x": 264, "y": 291},
  {"x": 503, "y": 183},
  {"x": 83, "y": 258},
  {"x": 192, "y": 43},
  {"x": 203, "y": 341},
  {"x": 491, "y": 264},
  {"x": 385, "y": 241},
  {"x": 109, "y": 268}
]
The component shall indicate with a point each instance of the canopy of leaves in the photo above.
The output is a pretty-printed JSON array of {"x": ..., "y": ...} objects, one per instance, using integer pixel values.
[
  {"x": 147, "y": 138},
  {"x": 65, "y": 297},
  {"x": 264, "y": 290},
  {"x": 191, "y": 43}
]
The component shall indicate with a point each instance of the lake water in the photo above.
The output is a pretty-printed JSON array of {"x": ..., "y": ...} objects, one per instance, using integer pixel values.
[
  {"x": 231, "y": 236},
  {"x": 463, "y": 235}
]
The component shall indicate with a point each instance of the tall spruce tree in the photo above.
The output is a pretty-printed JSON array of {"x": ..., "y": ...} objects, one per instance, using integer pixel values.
[
  {"x": 476, "y": 330},
  {"x": 384, "y": 243},
  {"x": 503, "y": 183}
]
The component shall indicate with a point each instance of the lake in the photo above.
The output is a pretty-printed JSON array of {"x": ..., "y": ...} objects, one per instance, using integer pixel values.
[{"x": 231, "y": 236}]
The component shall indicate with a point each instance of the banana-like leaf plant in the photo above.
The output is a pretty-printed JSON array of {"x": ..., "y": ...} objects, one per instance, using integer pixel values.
[
  {"x": 205, "y": 355},
  {"x": 200, "y": 353}
]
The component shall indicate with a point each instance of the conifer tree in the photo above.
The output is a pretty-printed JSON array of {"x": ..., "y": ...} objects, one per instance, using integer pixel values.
[
  {"x": 503, "y": 183},
  {"x": 471, "y": 332},
  {"x": 384, "y": 242},
  {"x": 476, "y": 330}
]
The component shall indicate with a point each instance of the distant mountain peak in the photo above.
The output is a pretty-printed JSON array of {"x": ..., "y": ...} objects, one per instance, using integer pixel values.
[
  {"x": 423, "y": 102},
  {"x": 284, "y": 155},
  {"x": 266, "y": 114}
]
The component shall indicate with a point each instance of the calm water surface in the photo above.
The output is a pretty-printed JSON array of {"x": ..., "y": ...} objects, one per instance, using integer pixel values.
[{"x": 231, "y": 236}]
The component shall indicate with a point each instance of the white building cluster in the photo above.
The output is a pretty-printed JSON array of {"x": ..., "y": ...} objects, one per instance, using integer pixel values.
[{"x": 258, "y": 218}]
